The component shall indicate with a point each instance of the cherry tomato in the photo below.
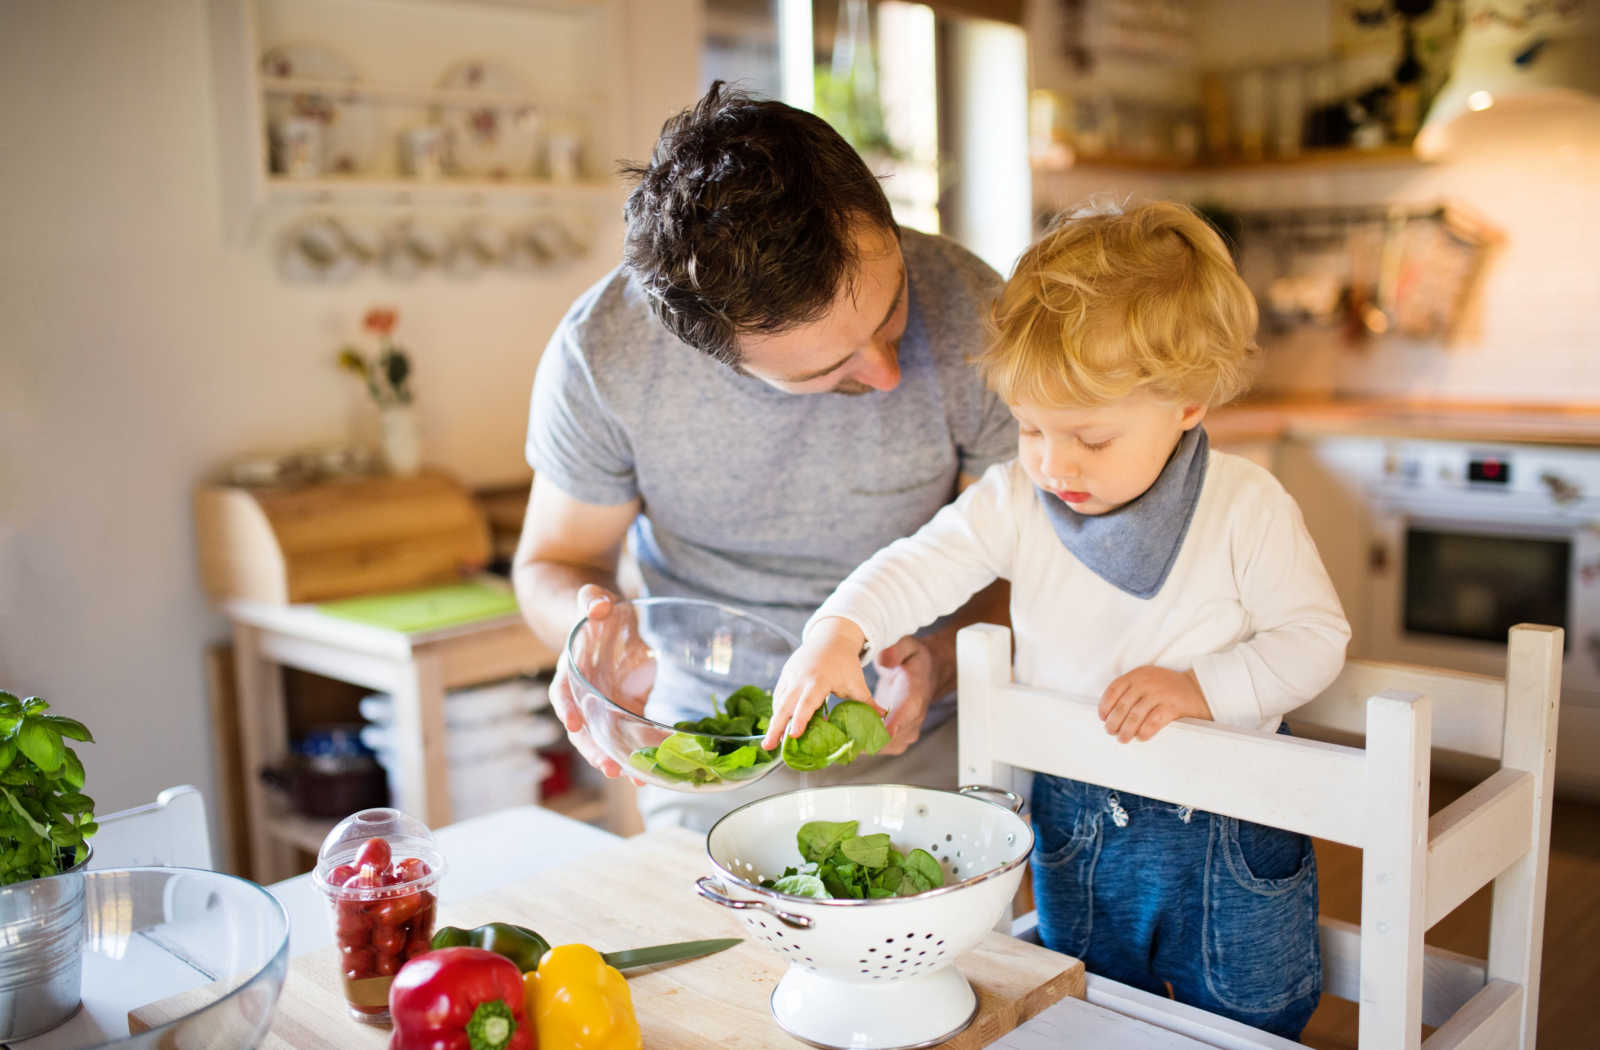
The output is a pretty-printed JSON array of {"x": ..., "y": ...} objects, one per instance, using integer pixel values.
[
  {"x": 410, "y": 869},
  {"x": 351, "y": 922},
  {"x": 374, "y": 851},
  {"x": 423, "y": 920},
  {"x": 340, "y": 875},
  {"x": 392, "y": 911},
  {"x": 360, "y": 963},
  {"x": 388, "y": 965},
  {"x": 388, "y": 940},
  {"x": 368, "y": 878},
  {"x": 419, "y": 942}
]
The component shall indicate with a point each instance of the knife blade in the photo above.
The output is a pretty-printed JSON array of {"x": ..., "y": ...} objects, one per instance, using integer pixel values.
[{"x": 656, "y": 954}]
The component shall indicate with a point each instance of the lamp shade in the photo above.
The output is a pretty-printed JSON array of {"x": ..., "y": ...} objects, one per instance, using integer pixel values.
[{"x": 1518, "y": 61}]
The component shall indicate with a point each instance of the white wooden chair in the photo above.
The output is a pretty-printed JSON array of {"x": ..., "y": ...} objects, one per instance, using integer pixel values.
[
  {"x": 1415, "y": 868},
  {"x": 169, "y": 832}
]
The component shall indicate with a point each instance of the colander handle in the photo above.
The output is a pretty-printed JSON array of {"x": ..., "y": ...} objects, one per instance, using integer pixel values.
[
  {"x": 711, "y": 890},
  {"x": 1013, "y": 801}
]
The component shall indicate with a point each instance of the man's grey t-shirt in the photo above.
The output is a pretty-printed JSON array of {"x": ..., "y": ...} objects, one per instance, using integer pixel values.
[{"x": 751, "y": 496}]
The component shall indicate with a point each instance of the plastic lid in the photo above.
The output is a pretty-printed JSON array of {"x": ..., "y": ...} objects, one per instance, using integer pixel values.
[{"x": 407, "y": 837}]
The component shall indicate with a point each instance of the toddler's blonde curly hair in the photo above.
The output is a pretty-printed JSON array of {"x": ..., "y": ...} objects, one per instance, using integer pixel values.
[{"x": 1111, "y": 301}]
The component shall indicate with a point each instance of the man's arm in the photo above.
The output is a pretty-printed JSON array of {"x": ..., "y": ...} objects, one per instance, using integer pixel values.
[
  {"x": 565, "y": 544},
  {"x": 565, "y": 568}
]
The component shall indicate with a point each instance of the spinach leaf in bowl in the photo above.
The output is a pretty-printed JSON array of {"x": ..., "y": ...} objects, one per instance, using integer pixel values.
[
  {"x": 705, "y": 750},
  {"x": 858, "y": 867}
]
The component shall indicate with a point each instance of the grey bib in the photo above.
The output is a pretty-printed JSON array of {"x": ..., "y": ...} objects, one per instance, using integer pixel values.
[{"x": 1134, "y": 547}]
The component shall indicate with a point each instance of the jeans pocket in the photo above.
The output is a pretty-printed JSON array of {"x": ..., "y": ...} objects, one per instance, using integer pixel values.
[
  {"x": 1261, "y": 950},
  {"x": 1063, "y": 878}
]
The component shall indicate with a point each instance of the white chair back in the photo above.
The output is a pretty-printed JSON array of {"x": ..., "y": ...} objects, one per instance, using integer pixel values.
[
  {"x": 1415, "y": 868},
  {"x": 169, "y": 832}
]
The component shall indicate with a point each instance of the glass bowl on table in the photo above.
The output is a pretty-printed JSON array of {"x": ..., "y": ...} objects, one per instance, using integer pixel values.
[
  {"x": 379, "y": 870},
  {"x": 173, "y": 957},
  {"x": 674, "y": 690}
]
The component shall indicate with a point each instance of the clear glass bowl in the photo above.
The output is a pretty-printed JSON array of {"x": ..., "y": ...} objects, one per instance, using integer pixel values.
[
  {"x": 210, "y": 949},
  {"x": 655, "y": 662}
]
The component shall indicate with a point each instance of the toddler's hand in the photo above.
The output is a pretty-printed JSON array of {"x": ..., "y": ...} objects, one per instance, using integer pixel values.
[
  {"x": 1142, "y": 702},
  {"x": 829, "y": 661}
]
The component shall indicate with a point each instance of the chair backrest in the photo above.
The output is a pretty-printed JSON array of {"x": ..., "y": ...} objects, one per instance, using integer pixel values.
[
  {"x": 169, "y": 832},
  {"x": 1415, "y": 869}
]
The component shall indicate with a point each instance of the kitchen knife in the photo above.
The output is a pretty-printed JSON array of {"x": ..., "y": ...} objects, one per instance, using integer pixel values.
[{"x": 656, "y": 954}]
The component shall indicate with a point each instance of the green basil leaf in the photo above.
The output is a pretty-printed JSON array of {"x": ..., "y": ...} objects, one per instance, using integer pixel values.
[
  {"x": 42, "y": 744},
  {"x": 10, "y": 722},
  {"x": 34, "y": 705},
  {"x": 73, "y": 770},
  {"x": 70, "y": 728},
  {"x": 8, "y": 753},
  {"x": 9, "y": 704},
  {"x": 39, "y": 827},
  {"x": 73, "y": 802}
]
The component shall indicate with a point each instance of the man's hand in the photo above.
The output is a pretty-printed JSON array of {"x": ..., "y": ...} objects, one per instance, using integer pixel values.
[
  {"x": 828, "y": 661},
  {"x": 1142, "y": 702},
  {"x": 905, "y": 689},
  {"x": 612, "y": 658}
]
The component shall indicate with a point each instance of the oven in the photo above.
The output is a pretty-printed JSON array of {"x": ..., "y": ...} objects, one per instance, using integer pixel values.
[{"x": 1467, "y": 540}]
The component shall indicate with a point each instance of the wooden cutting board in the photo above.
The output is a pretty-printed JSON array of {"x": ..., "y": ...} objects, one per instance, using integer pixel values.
[{"x": 642, "y": 892}]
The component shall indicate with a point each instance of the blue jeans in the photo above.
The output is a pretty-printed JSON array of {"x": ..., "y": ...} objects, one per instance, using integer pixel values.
[{"x": 1222, "y": 909}]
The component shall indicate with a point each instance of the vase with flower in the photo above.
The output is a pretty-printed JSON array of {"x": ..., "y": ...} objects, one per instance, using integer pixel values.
[{"x": 387, "y": 376}]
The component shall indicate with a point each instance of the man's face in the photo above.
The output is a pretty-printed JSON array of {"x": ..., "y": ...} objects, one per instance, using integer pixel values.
[
  {"x": 1097, "y": 459},
  {"x": 855, "y": 347}
]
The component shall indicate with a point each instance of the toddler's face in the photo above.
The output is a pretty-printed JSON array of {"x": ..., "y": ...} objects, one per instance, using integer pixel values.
[{"x": 1098, "y": 458}]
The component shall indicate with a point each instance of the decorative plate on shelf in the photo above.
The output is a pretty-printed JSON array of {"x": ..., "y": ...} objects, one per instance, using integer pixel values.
[
  {"x": 498, "y": 140},
  {"x": 350, "y": 136}
]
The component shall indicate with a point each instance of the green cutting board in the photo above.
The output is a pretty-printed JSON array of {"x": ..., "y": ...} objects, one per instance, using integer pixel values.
[{"x": 427, "y": 608}]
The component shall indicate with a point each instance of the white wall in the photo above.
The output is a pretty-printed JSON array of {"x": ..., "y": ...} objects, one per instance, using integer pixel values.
[{"x": 139, "y": 352}]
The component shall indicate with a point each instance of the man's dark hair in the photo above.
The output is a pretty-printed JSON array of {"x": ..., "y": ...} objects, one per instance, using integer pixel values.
[{"x": 743, "y": 219}]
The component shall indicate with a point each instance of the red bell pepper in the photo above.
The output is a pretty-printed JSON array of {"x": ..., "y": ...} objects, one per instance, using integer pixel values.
[{"x": 459, "y": 999}]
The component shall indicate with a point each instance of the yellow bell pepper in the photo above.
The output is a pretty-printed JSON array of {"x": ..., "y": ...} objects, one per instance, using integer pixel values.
[{"x": 579, "y": 1003}]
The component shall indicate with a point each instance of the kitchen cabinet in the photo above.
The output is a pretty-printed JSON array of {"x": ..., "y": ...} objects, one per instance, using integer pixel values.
[{"x": 373, "y": 72}]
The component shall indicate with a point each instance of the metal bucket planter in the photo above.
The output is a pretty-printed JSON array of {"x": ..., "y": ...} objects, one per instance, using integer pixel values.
[{"x": 41, "y": 952}]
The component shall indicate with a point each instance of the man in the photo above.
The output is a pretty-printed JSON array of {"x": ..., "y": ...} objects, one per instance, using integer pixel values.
[{"x": 771, "y": 387}]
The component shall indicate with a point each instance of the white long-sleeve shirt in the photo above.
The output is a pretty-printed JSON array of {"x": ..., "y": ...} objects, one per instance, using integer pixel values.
[{"x": 1247, "y": 605}]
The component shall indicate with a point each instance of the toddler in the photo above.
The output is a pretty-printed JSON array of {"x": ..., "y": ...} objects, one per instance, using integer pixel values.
[{"x": 1169, "y": 580}]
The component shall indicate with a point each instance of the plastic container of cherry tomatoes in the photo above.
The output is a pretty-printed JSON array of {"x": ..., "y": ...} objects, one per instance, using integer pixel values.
[{"x": 378, "y": 870}]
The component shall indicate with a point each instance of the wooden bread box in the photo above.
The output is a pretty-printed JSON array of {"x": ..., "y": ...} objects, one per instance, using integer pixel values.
[{"x": 335, "y": 539}]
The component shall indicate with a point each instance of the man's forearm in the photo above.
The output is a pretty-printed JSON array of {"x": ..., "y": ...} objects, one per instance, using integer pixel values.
[
  {"x": 990, "y": 605},
  {"x": 547, "y": 593}
]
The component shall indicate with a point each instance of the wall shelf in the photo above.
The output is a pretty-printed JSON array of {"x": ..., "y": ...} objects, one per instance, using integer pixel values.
[
  {"x": 569, "y": 54},
  {"x": 1397, "y": 155},
  {"x": 402, "y": 191}
]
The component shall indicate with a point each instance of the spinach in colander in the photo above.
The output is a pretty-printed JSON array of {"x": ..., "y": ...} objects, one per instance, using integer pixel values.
[
  {"x": 842, "y": 864},
  {"x": 706, "y": 750}
]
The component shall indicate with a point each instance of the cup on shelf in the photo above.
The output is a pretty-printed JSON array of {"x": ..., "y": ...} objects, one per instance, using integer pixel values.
[
  {"x": 1250, "y": 113},
  {"x": 1288, "y": 110},
  {"x": 297, "y": 147},
  {"x": 422, "y": 152},
  {"x": 564, "y": 151}
]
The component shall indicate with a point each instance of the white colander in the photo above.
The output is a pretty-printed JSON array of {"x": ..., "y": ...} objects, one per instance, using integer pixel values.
[{"x": 873, "y": 974}]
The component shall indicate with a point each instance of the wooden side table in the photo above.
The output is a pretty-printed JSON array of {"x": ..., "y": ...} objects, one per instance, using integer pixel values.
[{"x": 416, "y": 668}]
